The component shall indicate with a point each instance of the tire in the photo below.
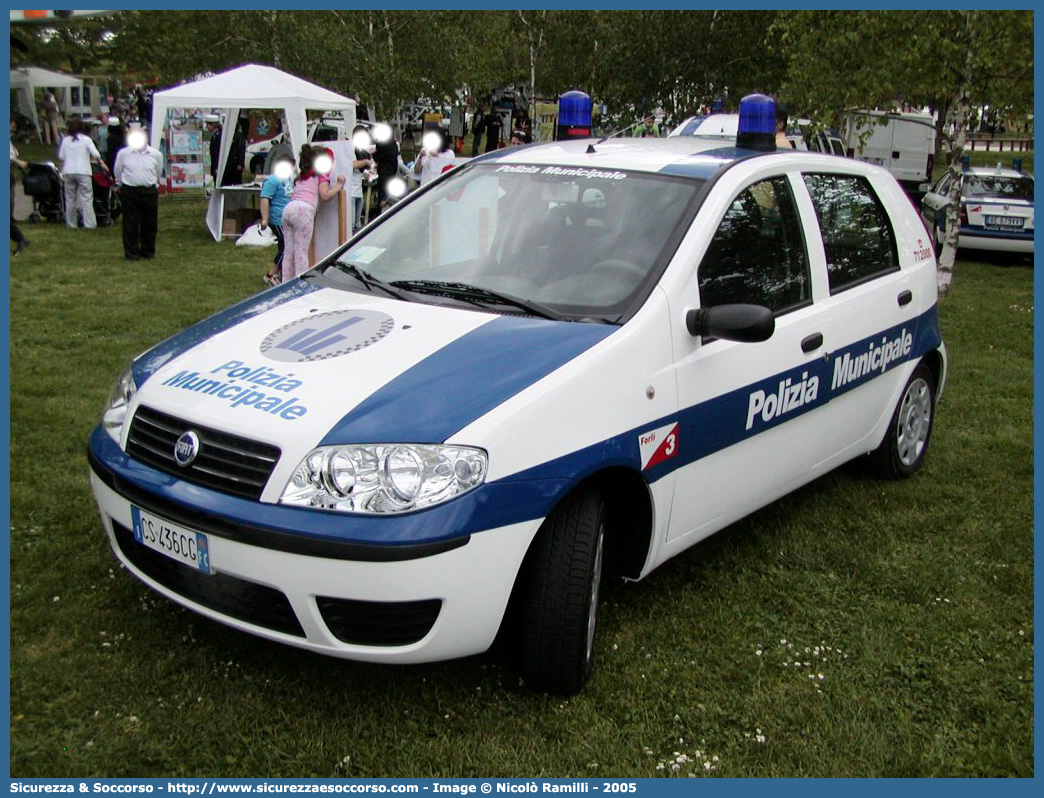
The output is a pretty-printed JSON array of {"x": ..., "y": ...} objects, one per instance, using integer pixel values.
[
  {"x": 905, "y": 445},
  {"x": 937, "y": 240},
  {"x": 561, "y": 587}
]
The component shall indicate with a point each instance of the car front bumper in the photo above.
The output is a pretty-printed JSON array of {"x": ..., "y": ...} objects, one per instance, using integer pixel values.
[{"x": 403, "y": 604}]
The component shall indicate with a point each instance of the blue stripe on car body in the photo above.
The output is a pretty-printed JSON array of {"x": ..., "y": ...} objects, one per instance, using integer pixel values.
[
  {"x": 704, "y": 165},
  {"x": 986, "y": 232},
  {"x": 465, "y": 380},
  {"x": 705, "y": 428},
  {"x": 714, "y": 425}
]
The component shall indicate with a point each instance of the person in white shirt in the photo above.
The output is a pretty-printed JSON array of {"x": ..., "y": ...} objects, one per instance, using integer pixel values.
[
  {"x": 361, "y": 164},
  {"x": 76, "y": 153},
  {"x": 137, "y": 172},
  {"x": 431, "y": 162}
]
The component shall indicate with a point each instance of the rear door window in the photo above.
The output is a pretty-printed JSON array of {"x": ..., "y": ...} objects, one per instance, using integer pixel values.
[{"x": 857, "y": 233}]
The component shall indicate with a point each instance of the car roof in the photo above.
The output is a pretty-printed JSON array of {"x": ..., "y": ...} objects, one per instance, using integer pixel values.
[
  {"x": 688, "y": 156},
  {"x": 993, "y": 171}
]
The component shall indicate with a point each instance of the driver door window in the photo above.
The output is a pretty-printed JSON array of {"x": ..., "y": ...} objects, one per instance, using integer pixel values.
[{"x": 757, "y": 255}]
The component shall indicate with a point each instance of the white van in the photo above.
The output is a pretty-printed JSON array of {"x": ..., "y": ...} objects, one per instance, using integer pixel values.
[{"x": 903, "y": 143}]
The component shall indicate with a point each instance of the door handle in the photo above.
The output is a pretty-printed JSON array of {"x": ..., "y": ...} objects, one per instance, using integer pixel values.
[
  {"x": 905, "y": 298},
  {"x": 812, "y": 342}
]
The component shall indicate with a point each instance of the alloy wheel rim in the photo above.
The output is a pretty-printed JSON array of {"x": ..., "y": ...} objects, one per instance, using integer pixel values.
[
  {"x": 915, "y": 415},
  {"x": 596, "y": 585}
]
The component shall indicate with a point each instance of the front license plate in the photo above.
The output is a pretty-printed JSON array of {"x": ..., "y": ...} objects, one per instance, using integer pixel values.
[
  {"x": 1005, "y": 222},
  {"x": 177, "y": 542}
]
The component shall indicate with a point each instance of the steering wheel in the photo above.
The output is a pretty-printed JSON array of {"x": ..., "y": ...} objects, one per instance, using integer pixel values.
[{"x": 624, "y": 268}]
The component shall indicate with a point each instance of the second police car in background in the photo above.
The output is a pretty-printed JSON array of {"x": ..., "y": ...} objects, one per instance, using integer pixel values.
[
  {"x": 996, "y": 211},
  {"x": 725, "y": 127},
  {"x": 554, "y": 362}
]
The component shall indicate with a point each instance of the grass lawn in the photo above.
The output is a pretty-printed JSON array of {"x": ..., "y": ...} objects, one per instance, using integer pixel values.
[{"x": 855, "y": 628}]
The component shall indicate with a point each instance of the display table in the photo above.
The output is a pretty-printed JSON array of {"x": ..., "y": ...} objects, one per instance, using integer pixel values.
[{"x": 241, "y": 208}]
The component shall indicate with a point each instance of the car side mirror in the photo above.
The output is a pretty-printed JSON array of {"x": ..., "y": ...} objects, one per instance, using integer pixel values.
[{"x": 744, "y": 323}]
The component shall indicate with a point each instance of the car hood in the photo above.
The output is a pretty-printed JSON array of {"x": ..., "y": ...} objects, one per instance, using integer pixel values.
[{"x": 300, "y": 366}]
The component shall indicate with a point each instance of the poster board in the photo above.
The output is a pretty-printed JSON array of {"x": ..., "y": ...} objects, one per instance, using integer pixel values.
[
  {"x": 333, "y": 219},
  {"x": 545, "y": 120},
  {"x": 184, "y": 145}
]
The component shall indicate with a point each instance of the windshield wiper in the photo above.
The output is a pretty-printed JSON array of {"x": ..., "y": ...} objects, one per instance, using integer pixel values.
[
  {"x": 368, "y": 280},
  {"x": 478, "y": 295}
]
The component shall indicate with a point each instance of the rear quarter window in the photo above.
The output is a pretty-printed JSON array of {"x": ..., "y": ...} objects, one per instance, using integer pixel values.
[{"x": 857, "y": 234}]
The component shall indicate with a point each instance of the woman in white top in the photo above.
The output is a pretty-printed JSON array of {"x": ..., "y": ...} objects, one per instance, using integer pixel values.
[
  {"x": 431, "y": 161},
  {"x": 76, "y": 153}
]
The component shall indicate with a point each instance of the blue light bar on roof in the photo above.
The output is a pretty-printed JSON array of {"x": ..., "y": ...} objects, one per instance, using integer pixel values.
[
  {"x": 574, "y": 115},
  {"x": 757, "y": 123}
]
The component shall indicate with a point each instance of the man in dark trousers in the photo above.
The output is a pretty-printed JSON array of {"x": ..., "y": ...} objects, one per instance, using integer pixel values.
[
  {"x": 387, "y": 157},
  {"x": 478, "y": 127},
  {"x": 137, "y": 173},
  {"x": 114, "y": 141},
  {"x": 494, "y": 124},
  {"x": 214, "y": 128},
  {"x": 233, "y": 174}
]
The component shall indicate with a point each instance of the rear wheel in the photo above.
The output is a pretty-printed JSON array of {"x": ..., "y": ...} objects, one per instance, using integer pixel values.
[
  {"x": 905, "y": 445},
  {"x": 561, "y": 587}
]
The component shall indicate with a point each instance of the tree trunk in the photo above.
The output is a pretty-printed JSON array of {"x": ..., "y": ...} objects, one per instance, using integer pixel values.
[
  {"x": 961, "y": 107},
  {"x": 273, "y": 16}
]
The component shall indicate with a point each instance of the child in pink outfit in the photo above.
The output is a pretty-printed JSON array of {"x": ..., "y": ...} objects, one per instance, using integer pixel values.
[{"x": 299, "y": 213}]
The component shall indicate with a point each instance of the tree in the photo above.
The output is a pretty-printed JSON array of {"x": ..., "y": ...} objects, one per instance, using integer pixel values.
[
  {"x": 950, "y": 61},
  {"x": 79, "y": 45}
]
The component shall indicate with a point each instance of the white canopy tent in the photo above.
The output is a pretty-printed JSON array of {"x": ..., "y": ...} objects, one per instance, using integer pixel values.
[
  {"x": 25, "y": 81},
  {"x": 245, "y": 87}
]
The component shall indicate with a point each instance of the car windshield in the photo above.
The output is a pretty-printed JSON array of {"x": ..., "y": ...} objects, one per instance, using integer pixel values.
[
  {"x": 985, "y": 186},
  {"x": 563, "y": 242}
]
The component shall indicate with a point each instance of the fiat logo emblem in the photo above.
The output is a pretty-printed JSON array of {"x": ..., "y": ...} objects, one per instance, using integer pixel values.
[{"x": 186, "y": 449}]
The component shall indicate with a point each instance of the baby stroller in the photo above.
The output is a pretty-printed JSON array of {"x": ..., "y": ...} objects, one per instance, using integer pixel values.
[
  {"x": 106, "y": 197},
  {"x": 43, "y": 183}
]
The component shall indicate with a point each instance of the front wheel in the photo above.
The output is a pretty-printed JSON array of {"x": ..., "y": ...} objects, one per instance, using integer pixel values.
[
  {"x": 561, "y": 587},
  {"x": 905, "y": 445}
]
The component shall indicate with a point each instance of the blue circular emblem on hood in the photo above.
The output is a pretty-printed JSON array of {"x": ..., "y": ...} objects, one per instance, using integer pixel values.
[
  {"x": 325, "y": 335},
  {"x": 186, "y": 448}
]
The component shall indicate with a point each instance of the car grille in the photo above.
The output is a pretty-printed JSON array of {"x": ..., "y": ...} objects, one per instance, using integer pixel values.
[
  {"x": 225, "y": 462},
  {"x": 379, "y": 623},
  {"x": 237, "y": 598}
]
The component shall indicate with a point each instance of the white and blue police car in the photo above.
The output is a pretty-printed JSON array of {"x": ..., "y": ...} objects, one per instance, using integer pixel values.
[
  {"x": 996, "y": 208},
  {"x": 554, "y": 361}
]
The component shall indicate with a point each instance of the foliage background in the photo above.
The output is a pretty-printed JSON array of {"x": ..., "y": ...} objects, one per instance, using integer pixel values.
[{"x": 820, "y": 62}]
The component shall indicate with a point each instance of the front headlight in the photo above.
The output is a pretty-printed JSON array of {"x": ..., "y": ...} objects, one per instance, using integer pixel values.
[
  {"x": 384, "y": 478},
  {"x": 120, "y": 397}
]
